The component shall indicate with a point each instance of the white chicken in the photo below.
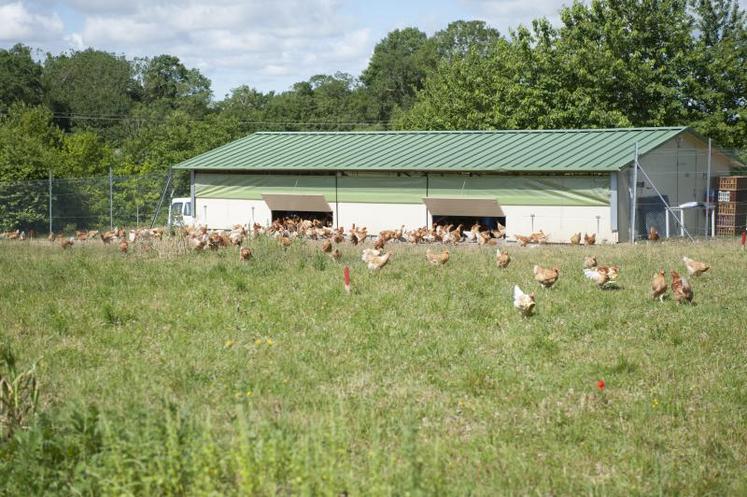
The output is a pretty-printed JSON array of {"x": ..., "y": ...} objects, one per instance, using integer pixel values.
[
  {"x": 599, "y": 275},
  {"x": 523, "y": 302}
]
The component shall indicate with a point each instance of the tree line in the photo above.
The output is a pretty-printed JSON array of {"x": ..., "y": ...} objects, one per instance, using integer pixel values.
[{"x": 608, "y": 63}]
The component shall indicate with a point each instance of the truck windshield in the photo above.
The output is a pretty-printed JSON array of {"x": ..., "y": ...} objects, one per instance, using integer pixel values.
[{"x": 188, "y": 208}]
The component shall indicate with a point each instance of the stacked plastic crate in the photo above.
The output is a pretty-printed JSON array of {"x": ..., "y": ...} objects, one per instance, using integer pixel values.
[{"x": 732, "y": 205}]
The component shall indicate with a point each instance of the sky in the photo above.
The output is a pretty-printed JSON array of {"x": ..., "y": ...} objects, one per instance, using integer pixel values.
[{"x": 266, "y": 44}]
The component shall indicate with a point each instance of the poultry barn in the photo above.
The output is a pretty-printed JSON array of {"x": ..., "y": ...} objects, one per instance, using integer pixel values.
[{"x": 559, "y": 181}]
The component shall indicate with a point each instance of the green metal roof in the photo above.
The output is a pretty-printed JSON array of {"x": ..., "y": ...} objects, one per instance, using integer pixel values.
[{"x": 587, "y": 150}]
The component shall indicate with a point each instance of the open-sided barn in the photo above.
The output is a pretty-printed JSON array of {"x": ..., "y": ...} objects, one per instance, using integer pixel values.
[{"x": 560, "y": 181}]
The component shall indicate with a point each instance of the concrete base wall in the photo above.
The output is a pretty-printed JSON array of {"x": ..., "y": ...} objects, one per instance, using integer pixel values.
[
  {"x": 378, "y": 217},
  {"x": 558, "y": 222},
  {"x": 224, "y": 213}
]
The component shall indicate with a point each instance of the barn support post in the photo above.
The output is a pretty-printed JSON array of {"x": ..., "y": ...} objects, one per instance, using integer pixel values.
[
  {"x": 708, "y": 189},
  {"x": 50, "y": 201},
  {"x": 111, "y": 200},
  {"x": 337, "y": 203},
  {"x": 634, "y": 195},
  {"x": 427, "y": 191}
]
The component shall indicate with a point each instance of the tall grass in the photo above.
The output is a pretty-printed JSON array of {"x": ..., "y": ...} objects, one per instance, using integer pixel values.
[{"x": 199, "y": 375}]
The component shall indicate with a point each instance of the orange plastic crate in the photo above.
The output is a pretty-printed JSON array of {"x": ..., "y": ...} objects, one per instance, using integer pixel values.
[{"x": 732, "y": 183}]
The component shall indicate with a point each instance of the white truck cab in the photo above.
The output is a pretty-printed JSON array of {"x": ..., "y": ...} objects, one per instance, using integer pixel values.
[{"x": 180, "y": 212}]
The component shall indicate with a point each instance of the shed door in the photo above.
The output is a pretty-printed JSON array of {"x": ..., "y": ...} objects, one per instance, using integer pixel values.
[
  {"x": 296, "y": 203},
  {"x": 479, "y": 207}
]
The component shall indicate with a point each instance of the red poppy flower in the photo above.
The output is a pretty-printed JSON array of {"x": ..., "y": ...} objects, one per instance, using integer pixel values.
[{"x": 600, "y": 385}]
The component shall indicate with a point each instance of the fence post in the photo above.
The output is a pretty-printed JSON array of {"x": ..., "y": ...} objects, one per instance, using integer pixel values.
[
  {"x": 708, "y": 189},
  {"x": 50, "y": 201},
  {"x": 111, "y": 200}
]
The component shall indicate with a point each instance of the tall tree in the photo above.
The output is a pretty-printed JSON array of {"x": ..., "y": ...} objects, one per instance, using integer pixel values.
[
  {"x": 718, "y": 92},
  {"x": 20, "y": 77},
  {"x": 397, "y": 70},
  {"x": 460, "y": 37},
  {"x": 89, "y": 88},
  {"x": 170, "y": 84}
]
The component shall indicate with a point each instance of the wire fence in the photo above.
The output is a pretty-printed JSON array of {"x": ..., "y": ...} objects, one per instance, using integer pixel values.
[
  {"x": 68, "y": 204},
  {"x": 678, "y": 195}
]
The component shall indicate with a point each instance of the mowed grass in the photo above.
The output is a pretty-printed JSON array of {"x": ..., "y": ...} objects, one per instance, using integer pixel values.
[{"x": 199, "y": 375}]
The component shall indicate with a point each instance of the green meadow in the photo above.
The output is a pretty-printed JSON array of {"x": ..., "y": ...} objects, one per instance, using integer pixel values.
[{"x": 171, "y": 373}]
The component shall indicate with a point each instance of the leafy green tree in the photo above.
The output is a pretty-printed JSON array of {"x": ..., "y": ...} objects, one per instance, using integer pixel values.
[
  {"x": 29, "y": 149},
  {"x": 718, "y": 104},
  {"x": 460, "y": 37},
  {"x": 96, "y": 88},
  {"x": 398, "y": 69},
  {"x": 169, "y": 84},
  {"x": 20, "y": 77}
]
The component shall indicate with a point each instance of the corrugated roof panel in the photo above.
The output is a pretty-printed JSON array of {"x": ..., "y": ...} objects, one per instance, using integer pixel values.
[{"x": 588, "y": 150}]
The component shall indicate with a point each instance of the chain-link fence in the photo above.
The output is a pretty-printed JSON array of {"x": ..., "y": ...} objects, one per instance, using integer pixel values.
[
  {"x": 677, "y": 195},
  {"x": 69, "y": 204}
]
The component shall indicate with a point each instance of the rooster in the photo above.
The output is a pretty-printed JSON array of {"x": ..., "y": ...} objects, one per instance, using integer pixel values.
[
  {"x": 681, "y": 289},
  {"x": 576, "y": 238},
  {"x": 590, "y": 261},
  {"x": 437, "y": 258},
  {"x": 695, "y": 268},
  {"x": 590, "y": 239},
  {"x": 546, "y": 276},
  {"x": 653, "y": 235},
  {"x": 502, "y": 259},
  {"x": 599, "y": 275},
  {"x": 659, "y": 286},
  {"x": 377, "y": 262},
  {"x": 523, "y": 302}
]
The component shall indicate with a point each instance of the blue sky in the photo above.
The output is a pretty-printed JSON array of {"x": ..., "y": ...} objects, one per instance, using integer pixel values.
[{"x": 266, "y": 44}]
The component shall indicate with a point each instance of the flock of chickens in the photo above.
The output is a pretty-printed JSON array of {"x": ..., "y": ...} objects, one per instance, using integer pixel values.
[{"x": 287, "y": 230}]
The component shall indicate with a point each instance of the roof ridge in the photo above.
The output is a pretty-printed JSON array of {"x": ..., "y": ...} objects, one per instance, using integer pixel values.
[{"x": 475, "y": 131}]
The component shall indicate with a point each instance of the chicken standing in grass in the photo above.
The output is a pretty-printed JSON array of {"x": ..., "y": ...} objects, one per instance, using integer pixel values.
[
  {"x": 590, "y": 261},
  {"x": 576, "y": 239},
  {"x": 124, "y": 246},
  {"x": 327, "y": 246},
  {"x": 436, "y": 259},
  {"x": 659, "y": 286},
  {"x": 377, "y": 262},
  {"x": 599, "y": 275},
  {"x": 67, "y": 242},
  {"x": 522, "y": 240},
  {"x": 523, "y": 302},
  {"x": 695, "y": 268},
  {"x": 590, "y": 239},
  {"x": 336, "y": 254},
  {"x": 245, "y": 253},
  {"x": 502, "y": 259},
  {"x": 653, "y": 235},
  {"x": 546, "y": 276},
  {"x": 681, "y": 289}
]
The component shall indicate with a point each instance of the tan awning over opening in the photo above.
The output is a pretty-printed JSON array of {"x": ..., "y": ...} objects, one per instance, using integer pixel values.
[
  {"x": 308, "y": 203},
  {"x": 482, "y": 207}
]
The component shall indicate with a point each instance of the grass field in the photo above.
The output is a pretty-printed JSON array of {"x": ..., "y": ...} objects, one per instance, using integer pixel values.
[{"x": 198, "y": 375}]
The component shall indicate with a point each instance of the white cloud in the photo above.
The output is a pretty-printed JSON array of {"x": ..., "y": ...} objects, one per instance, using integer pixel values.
[
  {"x": 508, "y": 14},
  {"x": 17, "y": 23}
]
